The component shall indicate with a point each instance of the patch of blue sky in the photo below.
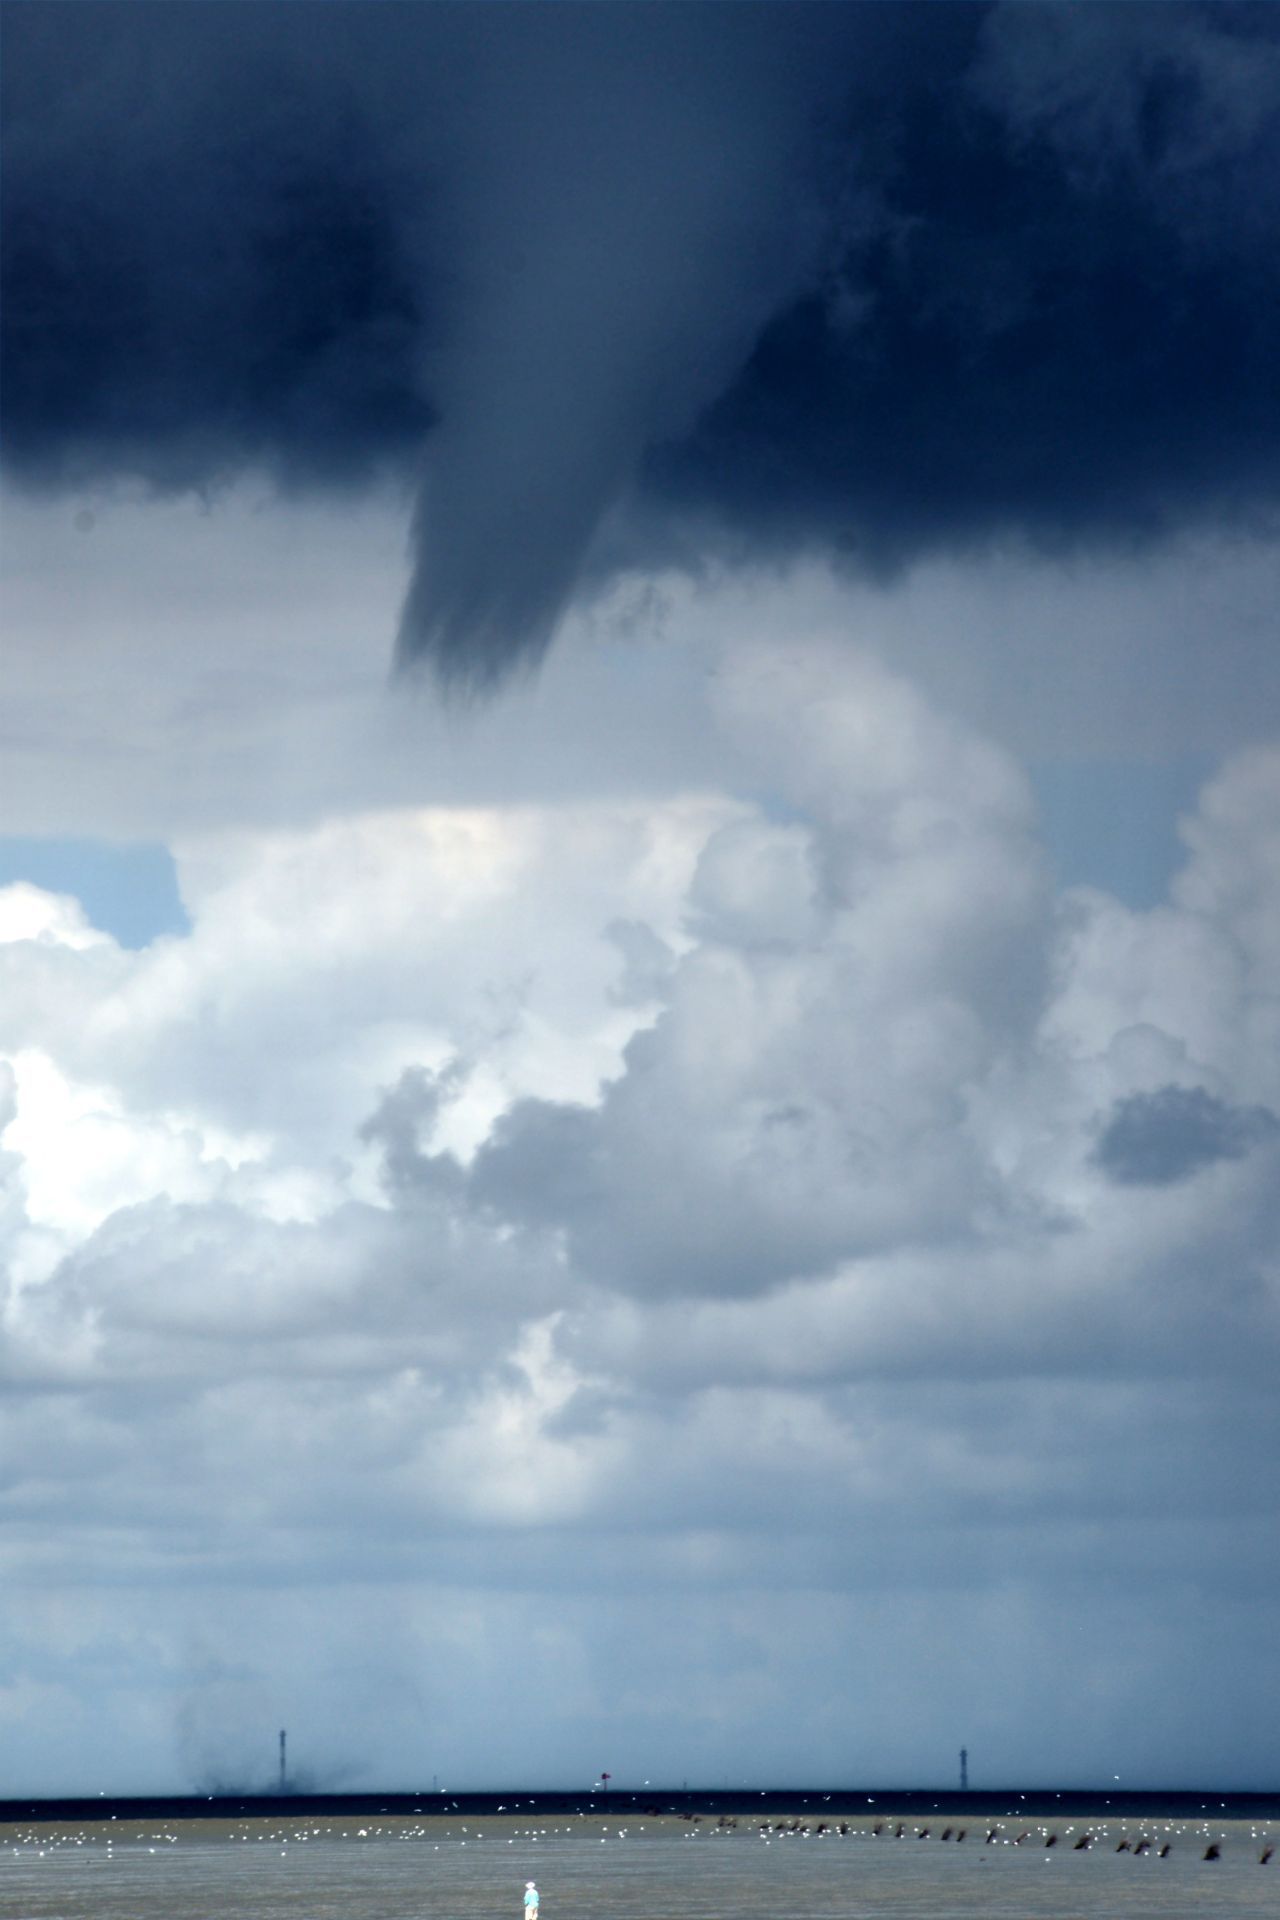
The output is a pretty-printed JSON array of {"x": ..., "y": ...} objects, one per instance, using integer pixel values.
[
  {"x": 128, "y": 889},
  {"x": 1113, "y": 824}
]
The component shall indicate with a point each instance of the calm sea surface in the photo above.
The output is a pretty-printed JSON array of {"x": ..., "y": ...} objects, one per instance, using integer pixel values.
[{"x": 595, "y": 1868}]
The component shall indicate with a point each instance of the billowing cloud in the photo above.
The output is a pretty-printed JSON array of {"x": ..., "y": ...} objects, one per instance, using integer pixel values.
[
  {"x": 617, "y": 282},
  {"x": 668, "y": 1234}
]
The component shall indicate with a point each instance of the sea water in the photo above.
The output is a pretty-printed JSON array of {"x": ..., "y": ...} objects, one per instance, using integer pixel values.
[{"x": 634, "y": 1868}]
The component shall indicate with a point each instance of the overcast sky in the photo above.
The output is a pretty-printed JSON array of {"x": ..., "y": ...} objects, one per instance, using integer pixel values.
[{"x": 640, "y": 894}]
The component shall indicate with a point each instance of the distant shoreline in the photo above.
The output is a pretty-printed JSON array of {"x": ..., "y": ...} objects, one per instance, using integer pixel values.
[{"x": 1005, "y": 1802}]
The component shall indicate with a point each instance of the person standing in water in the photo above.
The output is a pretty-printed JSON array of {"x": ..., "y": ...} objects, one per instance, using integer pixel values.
[{"x": 530, "y": 1901}]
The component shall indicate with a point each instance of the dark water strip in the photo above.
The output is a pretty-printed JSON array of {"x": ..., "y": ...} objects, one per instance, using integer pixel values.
[{"x": 993, "y": 1803}]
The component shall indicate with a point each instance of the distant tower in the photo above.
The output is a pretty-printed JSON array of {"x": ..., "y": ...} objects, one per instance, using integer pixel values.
[
  {"x": 964, "y": 1768},
  {"x": 282, "y": 1765}
]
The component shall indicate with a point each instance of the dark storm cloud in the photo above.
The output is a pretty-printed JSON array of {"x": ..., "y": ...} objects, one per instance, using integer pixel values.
[
  {"x": 1073, "y": 337},
  {"x": 205, "y": 258},
  {"x": 872, "y": 279},
  {"x": 1156, "y": 1139}
]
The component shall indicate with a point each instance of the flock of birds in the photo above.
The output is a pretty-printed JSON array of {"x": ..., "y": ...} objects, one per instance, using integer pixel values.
[
  {"x": 796, "y": 1827},
  {"x": 994, "y": 1836}
]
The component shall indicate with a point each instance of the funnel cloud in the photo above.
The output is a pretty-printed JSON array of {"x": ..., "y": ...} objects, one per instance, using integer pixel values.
[{"x": 598, "y": 285}]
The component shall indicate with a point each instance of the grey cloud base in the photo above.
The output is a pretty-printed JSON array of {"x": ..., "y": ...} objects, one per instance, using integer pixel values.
[
  {"x": 606, "y": 283},
  {"x": 1153, "y": 1139}
]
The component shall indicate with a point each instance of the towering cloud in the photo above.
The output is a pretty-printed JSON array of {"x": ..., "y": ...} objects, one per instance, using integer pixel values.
[
  {"x": 607, "y": 1264},
  {"x": 605, "y": 282}
]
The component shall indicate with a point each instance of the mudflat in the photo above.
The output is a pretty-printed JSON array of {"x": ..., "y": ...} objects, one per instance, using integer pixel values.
[{"x": 791, "y": 1864}]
